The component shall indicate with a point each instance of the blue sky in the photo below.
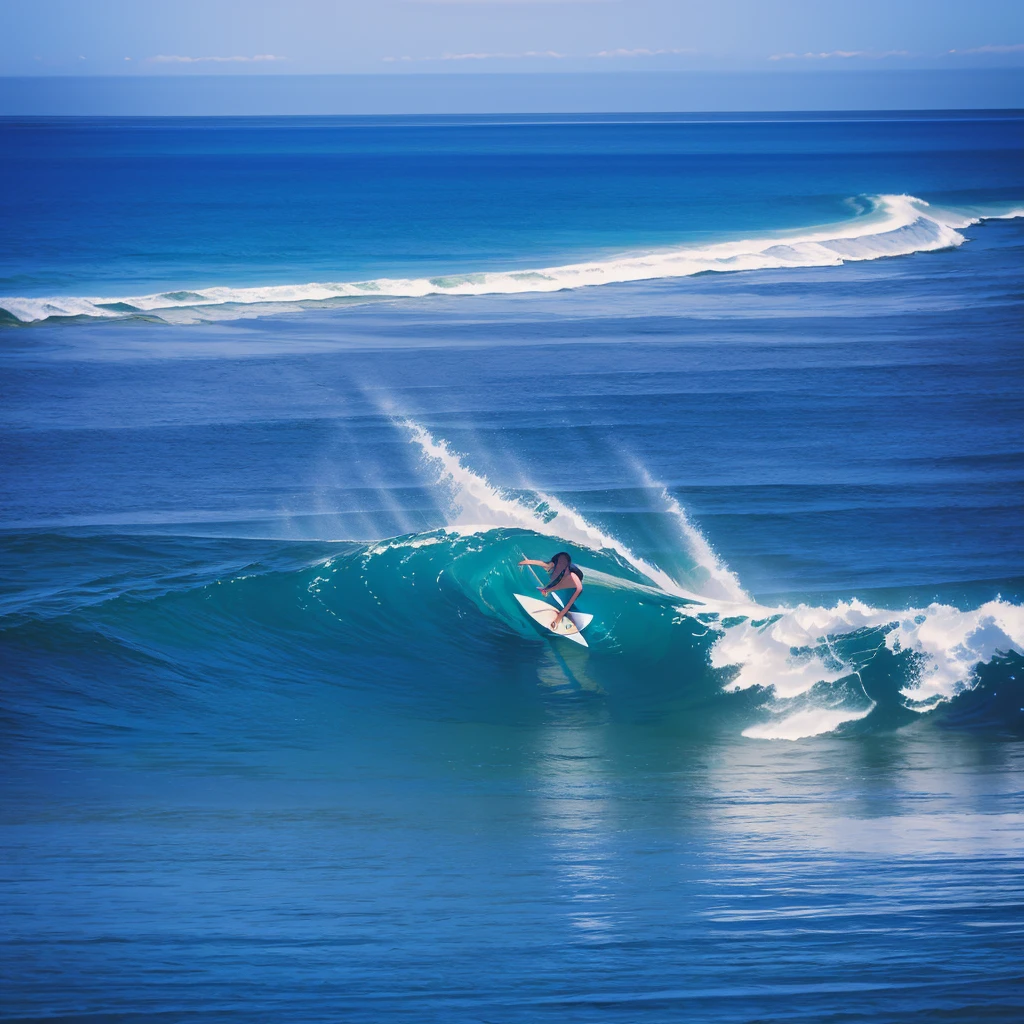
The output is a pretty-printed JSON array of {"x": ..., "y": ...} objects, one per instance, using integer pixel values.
[{"x": 187, "y": 37}]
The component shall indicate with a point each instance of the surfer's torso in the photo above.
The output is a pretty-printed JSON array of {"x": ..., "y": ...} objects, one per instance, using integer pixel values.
[
  {"x": 565, "y": 575},
  {"x": 570, "y": 579}
]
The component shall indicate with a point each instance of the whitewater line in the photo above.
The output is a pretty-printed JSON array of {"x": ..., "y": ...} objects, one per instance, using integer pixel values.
[{"x": 895, "y": 225}]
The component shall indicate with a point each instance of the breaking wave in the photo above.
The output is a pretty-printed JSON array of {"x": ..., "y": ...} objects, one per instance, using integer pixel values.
[
  {"x": 887, "y": 225},
  {"x": 809, "y": 660},
  {"x": 690, "y": 641},
  {"x": 428, "y": 621}
]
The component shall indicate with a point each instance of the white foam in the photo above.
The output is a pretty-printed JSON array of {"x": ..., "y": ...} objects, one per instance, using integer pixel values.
[
  {"x": 954, "y": 642},
  {"x": 803, "y": 724},
  {"x": 894, "y": 225},
  {"x": 795, "y": 650},
  {"x": 406, "y": 543},
  {"x": 765, "y": 655}
]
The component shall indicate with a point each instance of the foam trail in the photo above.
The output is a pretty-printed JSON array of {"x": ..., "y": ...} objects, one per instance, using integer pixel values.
[{"x": 894, "y": 225}]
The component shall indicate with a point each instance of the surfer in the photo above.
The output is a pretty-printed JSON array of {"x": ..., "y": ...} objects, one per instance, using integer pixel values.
[{"x": 565, "y": 575}]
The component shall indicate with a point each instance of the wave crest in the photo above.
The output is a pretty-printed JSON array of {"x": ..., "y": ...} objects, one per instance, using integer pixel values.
[{"x": 888, "y": 225}]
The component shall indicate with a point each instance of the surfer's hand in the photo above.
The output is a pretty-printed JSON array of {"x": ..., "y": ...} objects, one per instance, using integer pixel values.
[{"x": 523, "y": 562}]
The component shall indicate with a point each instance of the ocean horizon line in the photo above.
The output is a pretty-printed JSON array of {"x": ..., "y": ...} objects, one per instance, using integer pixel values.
[{"x": 512, "y": 92}]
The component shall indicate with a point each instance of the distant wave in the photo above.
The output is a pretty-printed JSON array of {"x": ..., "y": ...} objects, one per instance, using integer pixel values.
[{"x": 891, "y": 225}]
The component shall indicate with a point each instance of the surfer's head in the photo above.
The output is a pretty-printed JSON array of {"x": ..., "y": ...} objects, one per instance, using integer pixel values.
[{"x": 560, "y": 560}]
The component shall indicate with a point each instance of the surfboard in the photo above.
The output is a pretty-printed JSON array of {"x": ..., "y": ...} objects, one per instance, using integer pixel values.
[{"x": 542, "y": 613}]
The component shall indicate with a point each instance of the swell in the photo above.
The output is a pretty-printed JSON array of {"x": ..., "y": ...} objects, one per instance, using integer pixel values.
[
  {"x": 427, "y": 623},
  {"x": 888, "y": 225}
]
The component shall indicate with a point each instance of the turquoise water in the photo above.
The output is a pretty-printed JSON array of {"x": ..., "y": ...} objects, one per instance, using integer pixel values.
[{"x": 278, "y": 740}]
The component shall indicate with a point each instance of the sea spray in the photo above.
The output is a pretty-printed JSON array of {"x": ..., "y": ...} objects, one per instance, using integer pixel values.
[
  {"x": 476, "y": 505},
  {"x": 720, "y": 580}
]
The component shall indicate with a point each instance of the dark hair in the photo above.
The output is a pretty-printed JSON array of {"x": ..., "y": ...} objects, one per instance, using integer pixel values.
[{"x": 558, "y": 574}]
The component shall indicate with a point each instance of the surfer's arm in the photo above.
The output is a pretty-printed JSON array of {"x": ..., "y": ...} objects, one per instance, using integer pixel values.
[{"x": 534, "y": 561}]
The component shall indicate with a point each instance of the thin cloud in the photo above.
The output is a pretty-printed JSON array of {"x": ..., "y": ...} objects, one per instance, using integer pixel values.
[
  {"x": 503, "y": 56},
  {"x": 535, "y": 54},
  {"x": 997, "y": 48},
  {"x": 639, "y": 52},
  {"x": 841, "y": 55},
  {"x": 506, "y": 3},
  {"x": 167, "y": 58},
  {"x": 547, "y": 54}
]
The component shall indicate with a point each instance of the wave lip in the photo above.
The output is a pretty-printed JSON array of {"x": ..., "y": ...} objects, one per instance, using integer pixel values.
[{"x": 893, "y": 225}]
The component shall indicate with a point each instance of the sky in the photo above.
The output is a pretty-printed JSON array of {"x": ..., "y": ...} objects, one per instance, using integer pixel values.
[{"x": 298, "y": 37}]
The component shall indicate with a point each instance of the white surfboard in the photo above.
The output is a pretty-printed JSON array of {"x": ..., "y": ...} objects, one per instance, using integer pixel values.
[{"x": 571, "y": 625}]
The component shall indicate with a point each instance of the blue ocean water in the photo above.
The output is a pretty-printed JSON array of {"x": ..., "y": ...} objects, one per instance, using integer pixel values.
[{"x": 283, "y": 403}]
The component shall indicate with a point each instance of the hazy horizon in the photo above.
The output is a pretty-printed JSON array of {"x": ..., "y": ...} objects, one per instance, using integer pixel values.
[{"x": 514, "y": 93}]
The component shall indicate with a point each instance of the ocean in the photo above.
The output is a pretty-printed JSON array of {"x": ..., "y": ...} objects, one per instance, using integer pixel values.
[{"x": 283, "y": 402}]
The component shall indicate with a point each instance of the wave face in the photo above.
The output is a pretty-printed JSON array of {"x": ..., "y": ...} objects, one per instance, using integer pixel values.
[
  {"x": 886, "y": 226},
  {"x": 687, "y": 641}
]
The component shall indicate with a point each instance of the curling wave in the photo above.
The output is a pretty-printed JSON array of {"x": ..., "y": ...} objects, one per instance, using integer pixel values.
[
  {"x": 380, "y": 619},
  {"x": 805, "y": 670},
  {"x": 809, "y": 660},
  {"x": 888, "y": 225}
]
